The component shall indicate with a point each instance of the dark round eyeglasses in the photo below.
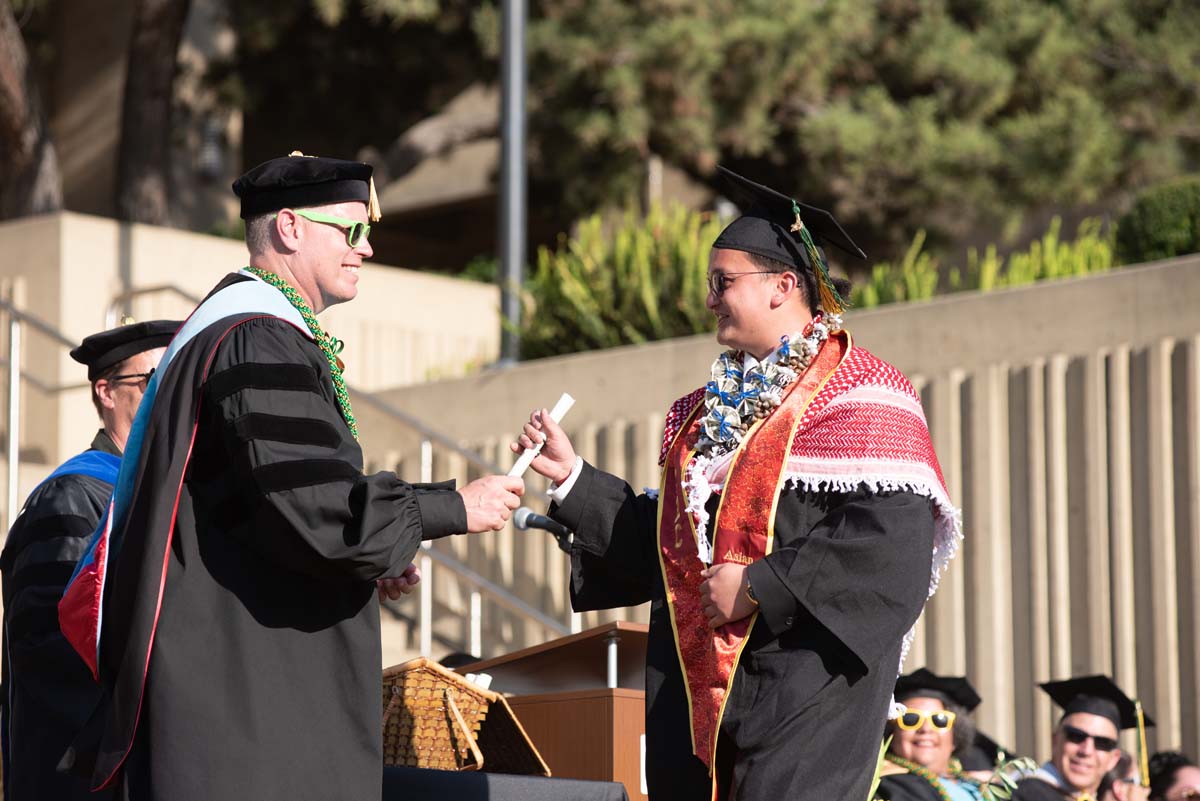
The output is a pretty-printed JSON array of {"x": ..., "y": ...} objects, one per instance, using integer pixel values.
[{"x": 719, "y": 282}]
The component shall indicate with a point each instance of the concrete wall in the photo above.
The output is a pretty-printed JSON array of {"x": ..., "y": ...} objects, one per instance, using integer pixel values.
[
  {"x": 66, "y": 269},
  {"x": 1067, "y": 420}
]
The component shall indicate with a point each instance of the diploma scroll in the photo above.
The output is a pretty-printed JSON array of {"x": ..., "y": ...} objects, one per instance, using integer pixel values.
[{"x": 556, "y": 414}]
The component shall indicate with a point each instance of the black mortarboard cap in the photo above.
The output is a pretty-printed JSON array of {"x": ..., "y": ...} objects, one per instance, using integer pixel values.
[
  {"x": 101, "y": 351},
  {"x": 1096, "y": 695},
  {"x": 781, "y": 228},
  {"x": 765, "y": 227},
  {"x": 945, "y": 688},
  {"x": 298, "y": 181}
]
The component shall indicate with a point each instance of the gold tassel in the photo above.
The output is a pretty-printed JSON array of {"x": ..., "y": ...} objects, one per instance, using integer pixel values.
[
  {"x": 373, "y": 210},
  {"x": 1143, "y": 757}
]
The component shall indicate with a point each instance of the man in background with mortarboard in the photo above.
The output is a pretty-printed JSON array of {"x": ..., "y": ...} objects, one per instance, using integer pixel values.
[
  {"x": 1085, "y": 744},
  {"x": 238, "y": 640},
  {"x": 802, "y": 514},
  {"x": 48, "y": 691}
]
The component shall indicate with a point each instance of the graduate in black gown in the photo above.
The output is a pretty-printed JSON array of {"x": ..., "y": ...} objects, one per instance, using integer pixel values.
[
  {"x": 48, "y": 692},
  {"x": 790, "y": 548},
  {"x": 240, "y": 644},
  {"x": 1085, "y": 745},
  {"x": 934, "y": 726}
]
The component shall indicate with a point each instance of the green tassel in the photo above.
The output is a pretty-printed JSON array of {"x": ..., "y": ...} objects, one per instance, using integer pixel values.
[{"x": 830, "y": 299}]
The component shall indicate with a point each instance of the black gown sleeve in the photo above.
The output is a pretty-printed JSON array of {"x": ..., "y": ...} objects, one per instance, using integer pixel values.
[
  {"x": 48, "y": 690},
  {"x": 862, "y": 571},
  {"x": 1032, "y": 789},
  {"x": 905, "y": 787},
  {"x": 287, "y": 445},
  {"x": 39, "y": 556},
  {"x": 614, "y": 560}
]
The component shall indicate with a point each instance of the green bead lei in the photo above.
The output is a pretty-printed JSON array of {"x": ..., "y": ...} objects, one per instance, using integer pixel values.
[
  {"x": 928, "y": 775},
  {"x": 330, "y": 346}
]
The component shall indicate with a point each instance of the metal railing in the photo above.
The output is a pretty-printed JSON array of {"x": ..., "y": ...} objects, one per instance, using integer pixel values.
[
  {"x": 480, "y": 585},
  {"x": 121, "y": 300},
  {"x": 16, "y": 318}
]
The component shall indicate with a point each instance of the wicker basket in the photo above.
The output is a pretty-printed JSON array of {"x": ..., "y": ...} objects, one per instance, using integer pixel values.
[{"x": 434, "y": 718}]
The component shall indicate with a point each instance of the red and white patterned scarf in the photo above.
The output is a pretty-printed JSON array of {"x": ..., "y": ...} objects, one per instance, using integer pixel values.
[{"x": 864, "y": 427}]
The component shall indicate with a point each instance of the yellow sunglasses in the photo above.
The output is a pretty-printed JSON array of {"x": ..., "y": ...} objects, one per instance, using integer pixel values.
[{"x": 913, "y": 719}]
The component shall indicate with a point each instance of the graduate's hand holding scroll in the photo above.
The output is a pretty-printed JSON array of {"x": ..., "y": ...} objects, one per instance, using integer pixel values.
[
  {"x": 490, "y": 501},
  {"x": 557, "y": 458}
]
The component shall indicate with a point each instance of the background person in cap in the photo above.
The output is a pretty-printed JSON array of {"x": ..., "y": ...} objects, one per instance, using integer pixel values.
[
  {"x": 934, "y": 725},
  {"x": 240, "y": 626},
  {"x": 48, "y": 690},
  {"x": 792, "y": 557},
  {"x": 1084, "y": 745}
]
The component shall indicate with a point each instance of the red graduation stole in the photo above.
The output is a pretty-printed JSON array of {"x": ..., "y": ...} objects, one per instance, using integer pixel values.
[{"x": 745, "y": 527}]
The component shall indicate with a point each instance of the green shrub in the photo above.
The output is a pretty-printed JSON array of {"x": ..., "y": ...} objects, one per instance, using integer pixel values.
[
  {"x": 644, "y": 280},
  {"x": 1164, "y": 222},
  {"x": 915, "y": 277}
]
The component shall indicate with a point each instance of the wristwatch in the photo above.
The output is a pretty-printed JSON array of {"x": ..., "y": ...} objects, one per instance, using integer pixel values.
[{"x": 750, "y": 592}]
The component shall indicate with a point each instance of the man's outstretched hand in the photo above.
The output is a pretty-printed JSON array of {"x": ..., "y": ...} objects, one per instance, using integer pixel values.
[
  {"x": 490, "y": 501},
  {"x": 557, "y": 458}
]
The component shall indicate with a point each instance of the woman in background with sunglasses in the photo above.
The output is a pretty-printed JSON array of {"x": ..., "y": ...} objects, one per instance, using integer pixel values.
[{"x": 934, "y": 724}]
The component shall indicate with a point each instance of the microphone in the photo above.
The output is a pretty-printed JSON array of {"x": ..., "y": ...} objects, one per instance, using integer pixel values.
[{"x": 525, "y": 518}]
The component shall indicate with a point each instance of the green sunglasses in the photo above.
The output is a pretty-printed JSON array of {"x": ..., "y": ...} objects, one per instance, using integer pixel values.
[{"x": 356, "y": 231}]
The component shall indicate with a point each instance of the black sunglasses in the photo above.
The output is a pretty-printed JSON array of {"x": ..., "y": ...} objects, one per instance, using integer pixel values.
[{"x": 1078, "y": 736}]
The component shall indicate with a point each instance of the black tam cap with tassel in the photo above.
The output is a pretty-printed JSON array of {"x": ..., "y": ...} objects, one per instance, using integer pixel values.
[
  {"x": 297, "y": 181},
  {"x": 778, "y": 227}
]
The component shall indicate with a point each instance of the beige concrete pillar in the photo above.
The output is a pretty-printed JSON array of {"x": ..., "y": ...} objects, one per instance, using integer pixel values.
[
  {"x": 1161, "y": 533},
  {"x": 946, "y": 618},
  {"x": 1094, "y": 450},
  {"x": 988, "y": 561},
  {"x": 1057, "y": 529}
]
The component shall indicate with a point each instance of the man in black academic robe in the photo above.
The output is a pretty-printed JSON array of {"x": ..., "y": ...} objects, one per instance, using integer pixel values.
[
  {"x": 240, "y": 642},
  {"x": 48, "y": 690},
  {"x": 845, "y": 578}
]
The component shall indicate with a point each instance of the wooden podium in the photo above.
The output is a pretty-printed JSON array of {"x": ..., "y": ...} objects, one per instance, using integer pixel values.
[{"x": 581, "y": 700}]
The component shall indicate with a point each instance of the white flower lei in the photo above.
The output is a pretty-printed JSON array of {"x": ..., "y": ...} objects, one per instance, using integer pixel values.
[{"x": 734, "y": 400}]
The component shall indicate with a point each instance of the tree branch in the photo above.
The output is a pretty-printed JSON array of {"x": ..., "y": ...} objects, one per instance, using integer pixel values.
[
  {"x": 30, "y": 181},
  {"x": 143, "y": 159}
]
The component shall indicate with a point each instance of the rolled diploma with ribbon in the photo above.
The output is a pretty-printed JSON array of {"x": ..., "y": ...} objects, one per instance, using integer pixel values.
[{"x": 556, "y": 414}]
